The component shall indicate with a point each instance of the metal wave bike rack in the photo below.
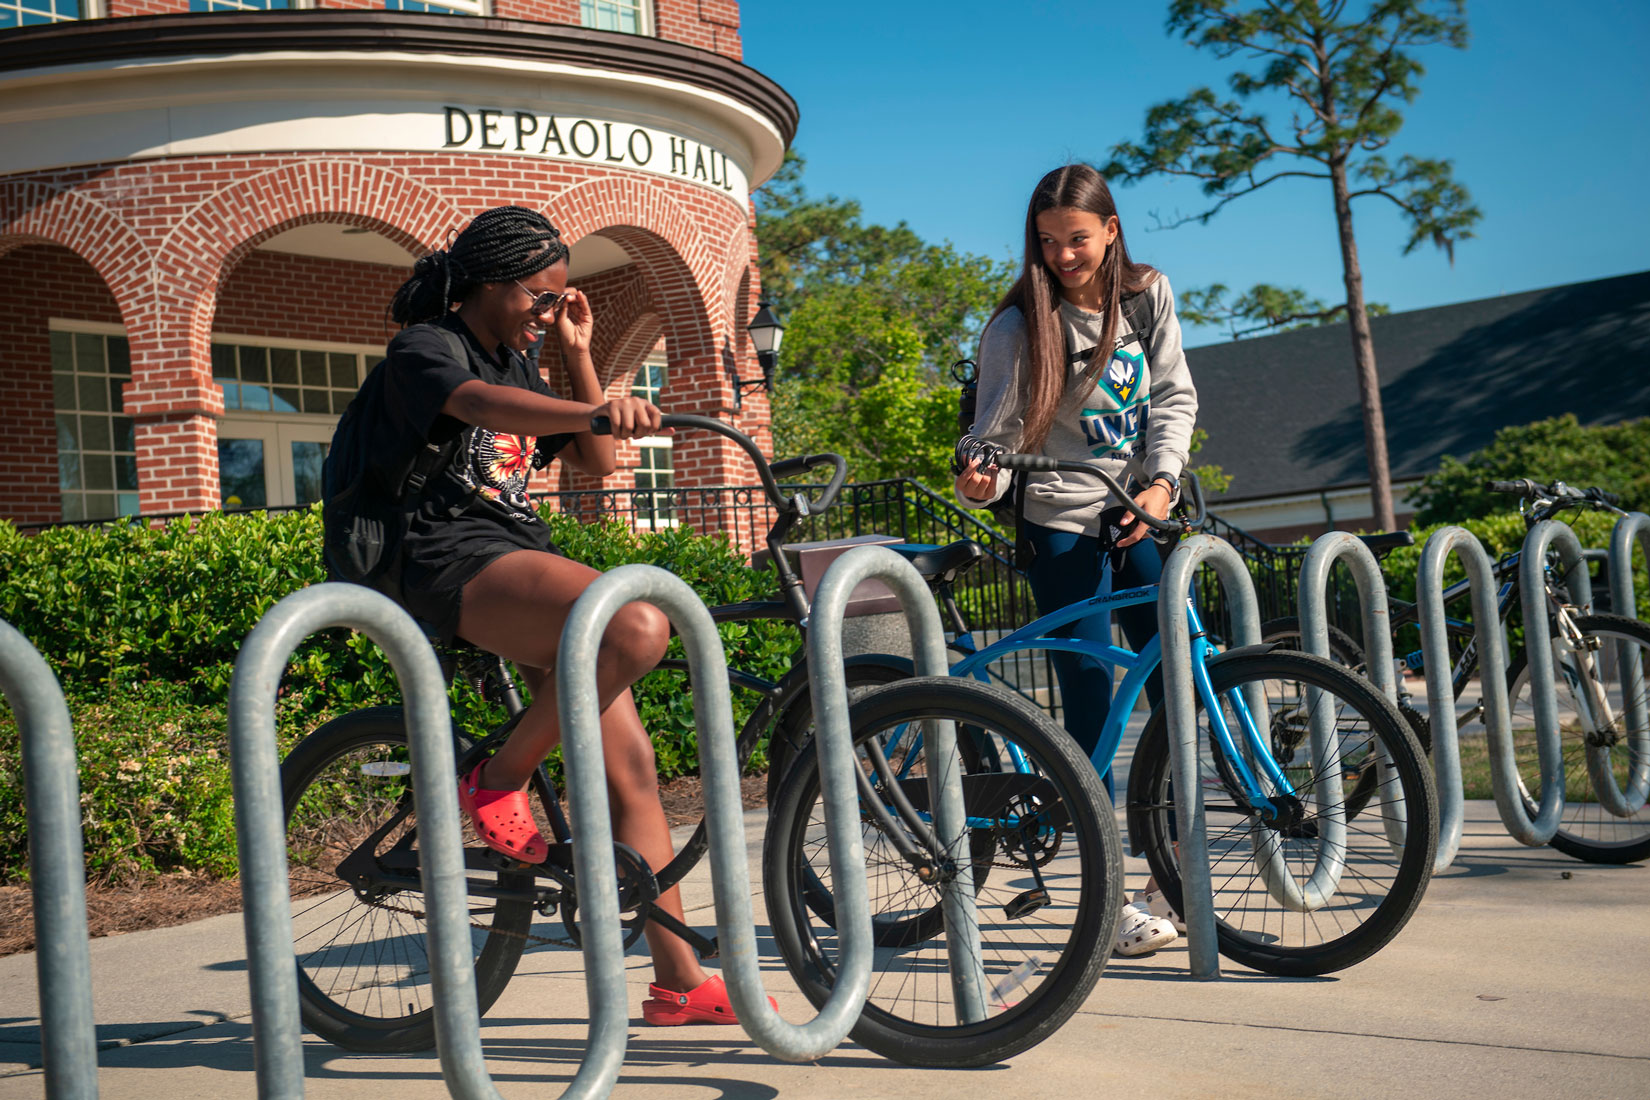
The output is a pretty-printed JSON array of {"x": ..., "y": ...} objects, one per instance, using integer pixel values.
[
  {"x": 1538, "y": 829},
  {"x": 1180, "y": 708},
  {"x": 1314, "y": 616},
  {"x": 57, "y": 857},
  {"x": 1631, "y": 527}
]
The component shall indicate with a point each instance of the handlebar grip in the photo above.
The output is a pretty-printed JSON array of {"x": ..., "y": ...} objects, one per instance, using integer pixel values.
[
  {"x": 1603, "y": 496},
  {"x": 1522, "y": 487},
  {"x": 600, "y": 425},
  {"x": 1027, "y": 462},
  {"x": 1191, "y": 490}
]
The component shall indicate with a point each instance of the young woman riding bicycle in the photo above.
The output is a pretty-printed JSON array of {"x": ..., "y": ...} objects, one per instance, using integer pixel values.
[
  {"x": 1045, "y": 387},
  {"x": 476, "y": 562}
]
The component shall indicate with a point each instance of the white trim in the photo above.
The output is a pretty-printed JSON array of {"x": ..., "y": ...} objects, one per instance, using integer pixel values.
[
  {"x": 252, "y": 102},
  {"x": 91, "y": 328},
  {"x": 296, "y": 345}
]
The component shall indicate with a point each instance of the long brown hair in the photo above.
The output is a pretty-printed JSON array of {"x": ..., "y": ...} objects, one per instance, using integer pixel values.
[{"x": 1035, "y": 293}]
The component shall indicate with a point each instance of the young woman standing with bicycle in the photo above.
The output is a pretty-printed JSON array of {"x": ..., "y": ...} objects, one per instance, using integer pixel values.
[
  {"x": 475, "y": 561},
  {"x": 1047, "y": 387}
]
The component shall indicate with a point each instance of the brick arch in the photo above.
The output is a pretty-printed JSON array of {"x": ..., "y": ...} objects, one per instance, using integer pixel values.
[
  {"x": 212, "y": 238},
  {"x": 644, "y": 219},
  {"x": 625, "y": 354},
  {"x": 35, "y": 212}
]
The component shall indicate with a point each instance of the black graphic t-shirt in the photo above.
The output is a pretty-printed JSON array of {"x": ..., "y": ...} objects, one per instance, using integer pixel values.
[{"x": 477, "y": 507}]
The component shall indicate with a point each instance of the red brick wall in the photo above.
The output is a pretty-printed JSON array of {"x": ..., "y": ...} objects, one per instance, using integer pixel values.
[
  {"x": 343, "y": 301},
  {"x": 708, "y": 24},
  {"x": 68, "y": 288}
]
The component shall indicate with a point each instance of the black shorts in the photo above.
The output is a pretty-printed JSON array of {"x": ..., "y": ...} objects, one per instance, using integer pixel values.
[{"x": 435, "y": 596}]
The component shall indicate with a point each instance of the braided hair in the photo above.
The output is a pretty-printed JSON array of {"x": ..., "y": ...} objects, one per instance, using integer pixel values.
[{"x": 501, "y": 244}]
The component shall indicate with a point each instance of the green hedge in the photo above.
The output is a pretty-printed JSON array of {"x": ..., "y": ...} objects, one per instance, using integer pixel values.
[{"x": 143, "y": 625}]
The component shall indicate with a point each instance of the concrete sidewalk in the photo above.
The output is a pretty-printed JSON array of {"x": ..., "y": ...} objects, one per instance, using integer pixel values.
[{"x": 1511, "y": 981}]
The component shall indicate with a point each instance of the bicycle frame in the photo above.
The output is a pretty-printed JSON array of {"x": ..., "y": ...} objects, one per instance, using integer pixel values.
[{"x": 1037, "y": 635}]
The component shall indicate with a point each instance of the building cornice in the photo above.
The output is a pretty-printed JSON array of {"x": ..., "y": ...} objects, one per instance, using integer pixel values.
[{"x": 154, "y": 37}]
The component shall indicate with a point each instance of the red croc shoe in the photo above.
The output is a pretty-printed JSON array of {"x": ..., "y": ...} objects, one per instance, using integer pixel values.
[
  {"x": 707, "y": 1004},
  {"x": 502, "y": 819}
]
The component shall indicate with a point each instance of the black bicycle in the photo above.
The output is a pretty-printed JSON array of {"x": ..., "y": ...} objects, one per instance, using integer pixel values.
[
  {"x": 1046, "y": 859},
  {"x": 1599, "y": 666}
]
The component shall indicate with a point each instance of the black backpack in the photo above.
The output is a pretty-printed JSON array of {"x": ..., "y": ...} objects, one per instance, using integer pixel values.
[
  {"x": 1010, "y": 508},
  {"x": 367, "y": 505}
]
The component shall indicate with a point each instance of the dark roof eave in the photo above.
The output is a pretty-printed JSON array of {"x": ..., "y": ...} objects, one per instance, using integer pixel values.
[{"x": 190, "y": 33}]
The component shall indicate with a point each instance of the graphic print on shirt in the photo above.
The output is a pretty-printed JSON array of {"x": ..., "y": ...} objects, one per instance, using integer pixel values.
[
  {"x": 496, "y": 464},
  {"x": 1116, "y": 423}
]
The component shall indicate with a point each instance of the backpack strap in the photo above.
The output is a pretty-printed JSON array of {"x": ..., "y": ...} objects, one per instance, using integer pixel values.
[
  {"x": 1138, "y": 313},
  {"x": 434, "y": 456}
]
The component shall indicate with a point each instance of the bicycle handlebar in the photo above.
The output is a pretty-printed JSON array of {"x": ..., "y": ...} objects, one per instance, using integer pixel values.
[
  {"x": 1557, "y": 491},
  {"x": 769, "y": 473},
  {"x": 1191, "y": 489}
]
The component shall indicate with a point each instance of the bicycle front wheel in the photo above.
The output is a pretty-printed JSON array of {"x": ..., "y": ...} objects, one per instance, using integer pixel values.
[
  {"x": 363, "y": 966},
  {"x": 1320, "y": 887},
  {"x": 1602, "y": 709},
  {"x": 1046, "y": 861}
]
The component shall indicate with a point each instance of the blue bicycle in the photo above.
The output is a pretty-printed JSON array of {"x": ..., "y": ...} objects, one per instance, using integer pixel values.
[{"x": 1321, "y": 814}]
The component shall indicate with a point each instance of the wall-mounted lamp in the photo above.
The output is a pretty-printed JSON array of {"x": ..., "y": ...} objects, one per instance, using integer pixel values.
[{"x": 766, "y": 332}]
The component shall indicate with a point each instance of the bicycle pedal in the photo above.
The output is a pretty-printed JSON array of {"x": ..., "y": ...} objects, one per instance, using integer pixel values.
[{"x": 1026, "y": 904}]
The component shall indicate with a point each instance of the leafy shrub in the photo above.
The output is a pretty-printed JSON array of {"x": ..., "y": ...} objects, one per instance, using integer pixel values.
[{"x": 143, "y": 626}]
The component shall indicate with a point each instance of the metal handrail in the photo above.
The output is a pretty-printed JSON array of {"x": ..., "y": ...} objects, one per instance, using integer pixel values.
[
  {"x": 1314, "y": 615},
  {"x": 51, "y": 786},
  {"x": 580, "y": 711},
  {"x": 259, "y": 819},
  {"x": 1180, "y": 707}
]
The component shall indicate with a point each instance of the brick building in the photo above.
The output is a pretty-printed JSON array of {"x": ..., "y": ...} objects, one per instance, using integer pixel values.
[{"x": 205, "y": 206}]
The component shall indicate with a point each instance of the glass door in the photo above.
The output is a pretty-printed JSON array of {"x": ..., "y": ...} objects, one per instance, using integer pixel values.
[{"x": 270, "y": 464}]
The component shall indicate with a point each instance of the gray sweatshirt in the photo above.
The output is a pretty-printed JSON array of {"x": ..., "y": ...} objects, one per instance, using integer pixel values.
[{"x": 1137, "y": 418}]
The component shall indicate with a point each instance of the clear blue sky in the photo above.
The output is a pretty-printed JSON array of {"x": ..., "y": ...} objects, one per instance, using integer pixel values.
[{"x": 944, "y": 114}]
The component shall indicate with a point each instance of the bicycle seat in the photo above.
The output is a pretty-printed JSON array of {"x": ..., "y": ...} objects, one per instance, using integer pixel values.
[
  {"x": 941, "y": 563},
  {"x": 1389, "y": 540}
]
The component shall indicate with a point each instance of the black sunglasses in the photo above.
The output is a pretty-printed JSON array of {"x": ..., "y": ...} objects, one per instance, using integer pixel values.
[{"x": 543, "y": 303}]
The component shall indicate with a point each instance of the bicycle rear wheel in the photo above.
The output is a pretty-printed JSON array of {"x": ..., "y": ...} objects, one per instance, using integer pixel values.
[
  {"x": 1257, "y": 866},
  {"x": 1047, "y": 866},
  {"x": 363, "y": 967},
  {"x": 1588, "y": 831}
]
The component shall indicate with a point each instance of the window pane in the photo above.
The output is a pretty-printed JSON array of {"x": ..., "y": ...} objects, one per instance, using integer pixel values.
[
  {"x": 117, "y": 400},
  {"x": 126, "y": 472},
  {"x": 98, "y": 470},
  {"x": 343, "y": 371},
  {"x": 223, "y": 362},
  {"x": 306, "y": 470},
  {"x": 95, "y": 434},
  {"x": 125, "y": 435},
  {"x": 94, "y": 393},
  {"x": 63, "y": 392},
  {"x": 283, "y": 366},
  {"x": 315, "y": 401},
  {"x": 88, "y": 354},
  {"x": 120, "y": 356},
  {"x": 62, "y": 351},
  {"x": 100, "y": 505},
  {"x": 241, "y": 472},
  {"x": 127, "y": 503},
  {"x": 73, "y": 506},
  {"x": 68, "y": 471},
  {"x": 314, "y": 368},
  {"x": 231, "y": 395},
  {"x": 286, "y": 400},
  {"x": 254, "y": 397},
  {"x": 254, "y": 364}
]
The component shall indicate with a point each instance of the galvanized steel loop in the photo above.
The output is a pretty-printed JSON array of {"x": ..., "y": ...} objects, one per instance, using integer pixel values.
[
  {"x": 944, "y": 766},
  {"x": 260, "y": 823},
  {"x": 57, "y": 860},
  {"x": 1635, "y": 526}
]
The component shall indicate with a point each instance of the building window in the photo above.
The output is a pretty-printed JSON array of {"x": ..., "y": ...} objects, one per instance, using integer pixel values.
[
  {"x": 285, "y": 380},
  {"x": 238, "y": 5},
  {"x": 440, "y": 7},
  {"x": 629, "y": 16},
  {"x": 96, "y": 443},
  {"x": 29, "y": 13},
  {"x": 653, "y": 468}
]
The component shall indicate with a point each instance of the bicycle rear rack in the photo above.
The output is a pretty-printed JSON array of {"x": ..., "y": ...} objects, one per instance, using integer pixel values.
[
  {"x": 51, "y": 785},
  {"x": 1446, "y": 751}
]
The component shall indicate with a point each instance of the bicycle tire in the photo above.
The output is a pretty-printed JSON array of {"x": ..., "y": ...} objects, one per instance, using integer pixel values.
[
  {"x": 363, "y": 971},
  {"x": 1286, "y": 632},
  {"x": 1379, "y": 890},
  {"x": 1587, "y": 831},
  {"x": 1069, "y": 844}
]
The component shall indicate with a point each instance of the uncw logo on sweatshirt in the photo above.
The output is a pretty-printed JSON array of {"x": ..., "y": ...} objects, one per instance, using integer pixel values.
[{"x": 1120, "y": 385}]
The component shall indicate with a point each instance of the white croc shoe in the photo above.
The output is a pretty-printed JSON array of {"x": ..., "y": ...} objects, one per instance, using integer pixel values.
[
  {"x": 1140, "y": 933},
  {"x": 1153, "y": 902}
]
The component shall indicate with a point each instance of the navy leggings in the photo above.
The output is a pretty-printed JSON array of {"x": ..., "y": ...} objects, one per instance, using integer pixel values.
[{"x": 1068, "y": 568}]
